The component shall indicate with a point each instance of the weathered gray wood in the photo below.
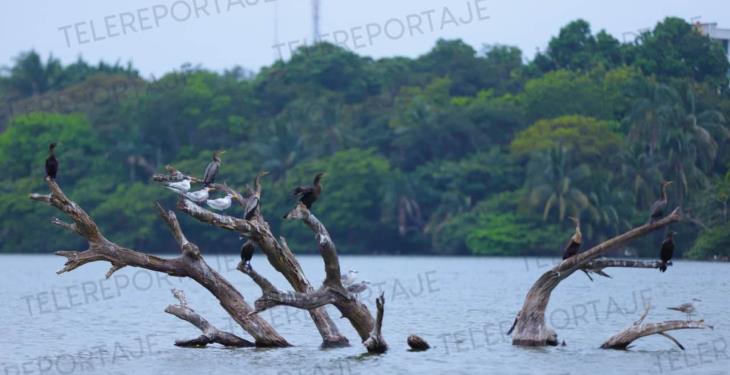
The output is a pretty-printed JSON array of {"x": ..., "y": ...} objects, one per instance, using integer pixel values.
[
  {"x": 375, "y": 342},
  {"x": 348, "y": 304},
  {"x": 331, "y": 292},
  {"x": 188, "y": 264},
  {"x": 210, "y": 335},
  {"x": 597, "y": 266},
  {"x": 259, "y": 231},
  {"x": 530, "y": 328},
  {"x": 639, "y": 329}
]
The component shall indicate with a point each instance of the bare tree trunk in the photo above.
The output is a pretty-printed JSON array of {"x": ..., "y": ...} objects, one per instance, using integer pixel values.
[
  {"x": 332, "y": 290},
  {"x": 190, "y": 264},
  {"x": 529, "y": 328},
  {"x": 623, "y": 339},
  {"x": 259, "y": 231}
]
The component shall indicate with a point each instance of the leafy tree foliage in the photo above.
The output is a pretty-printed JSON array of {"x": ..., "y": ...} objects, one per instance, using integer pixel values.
[{"x": 458, "y": 151}]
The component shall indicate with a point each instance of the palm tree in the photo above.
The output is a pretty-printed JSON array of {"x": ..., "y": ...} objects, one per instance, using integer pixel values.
[
  {"x": 608, "y": 211},
  {"x": 640, "y": 170},
  {"x": 690, "y": 145},
  {"x": 686, "y": 141},
  {"x": 553, "y": 184},
  {"x": 648, "y": 114},
  {"x": 281, "y": 150}
]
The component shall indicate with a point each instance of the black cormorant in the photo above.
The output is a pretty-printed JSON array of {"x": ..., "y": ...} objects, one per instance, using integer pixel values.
[
  {"x": 657, "y": 209},
  {"x": 211, "y": 171},
  {"x": 309, "y": 194},
  {"x": 247, "y": 250},
  {"x": 573, "y": 245},
  {"x": 51, "y": 162},
  {"x": 667, "y": 250}
]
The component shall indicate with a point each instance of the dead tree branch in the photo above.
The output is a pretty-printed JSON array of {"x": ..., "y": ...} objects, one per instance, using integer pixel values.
[
  {"x": 259, "y": 231},
  {"x": 530, "y": 328},
  {"x": 210, "y": 334},
  {"x": 188, "y": 264},
  {"x": 332, "y": 290},
  {"x": 597, "y": 266},
  {"x": 623, "y": 339}
]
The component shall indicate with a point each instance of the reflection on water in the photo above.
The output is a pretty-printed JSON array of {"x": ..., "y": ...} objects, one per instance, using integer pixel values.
[{"x": 82, "y": 323}]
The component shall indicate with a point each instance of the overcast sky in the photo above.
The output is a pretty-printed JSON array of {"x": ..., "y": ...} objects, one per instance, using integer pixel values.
[{"x": 161, "y": 35}]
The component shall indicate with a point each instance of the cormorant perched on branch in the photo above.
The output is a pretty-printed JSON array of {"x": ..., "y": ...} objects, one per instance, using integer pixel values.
[
  {"x": 573, "y": 246},
  {"x": 667, "y": 250},
  {"x": 51, "y": 162},
  {"x": 657, "y": 209},
  {"x": 309, "y": 194},
  {"x": 247, "y": 253},
  {"x": 211, "y": 171},
  {"x": 252, "y": 202}
]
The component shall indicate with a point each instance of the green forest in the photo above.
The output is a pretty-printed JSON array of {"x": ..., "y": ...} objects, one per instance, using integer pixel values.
[{"x": 459, "y": 151}]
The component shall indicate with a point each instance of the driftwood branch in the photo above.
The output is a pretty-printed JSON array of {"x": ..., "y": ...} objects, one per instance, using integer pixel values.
[
  {"x": 597, "y": 266},
  {"x": 259, "y": 231},
  {"x": 188, "y": 264},
  {"x": 639, "y": 329},
  {"x": 530, "y": 328},
  {"x": 210, "y": 334},
  {"x": 332, "y": 290}
]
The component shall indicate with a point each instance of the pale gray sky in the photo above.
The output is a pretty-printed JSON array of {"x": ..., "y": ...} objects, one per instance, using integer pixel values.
[{"x": 161, "y": 35}]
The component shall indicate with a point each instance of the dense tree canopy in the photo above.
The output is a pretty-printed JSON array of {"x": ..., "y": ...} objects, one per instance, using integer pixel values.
[{"x": 458, "y": 151}]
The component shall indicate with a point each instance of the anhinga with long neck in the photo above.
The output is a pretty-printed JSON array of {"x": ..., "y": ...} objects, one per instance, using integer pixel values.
[
  {"x": 252, "y": 203},
  {"x": 211, "y": 171},
  {"x": 51, "y": 162},
  {"x": 309, "y": 194},
  {"x": 657, "y": 209},
  {"x": 573, "y": 245},
  {"x": 667, "y": 251}
]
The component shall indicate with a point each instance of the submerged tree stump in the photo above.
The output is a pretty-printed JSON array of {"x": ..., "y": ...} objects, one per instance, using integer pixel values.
[
  {"x": 258, "y": 230},
  {"x": 192, "y": 264},
  {"x": 529, "y": 328},
  {"x": 331, "y": 292},
  {"x": 189, "y": 264},
  {"x": 417, "y": 344}
]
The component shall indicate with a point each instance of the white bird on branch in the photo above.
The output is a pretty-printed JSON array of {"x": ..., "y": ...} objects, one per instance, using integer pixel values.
[
  {"x": 688, "y": 308},
  {"x": 180, "y": 187},
  {"x": 358, "y": 288},
  {"x": 199, "y": 196},
  {"x": 349, "y": 278},
  {"x": 220, "y": 204}
]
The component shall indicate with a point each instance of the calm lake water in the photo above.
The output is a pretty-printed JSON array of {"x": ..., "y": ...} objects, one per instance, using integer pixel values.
[{"x": 79, "y": 323}]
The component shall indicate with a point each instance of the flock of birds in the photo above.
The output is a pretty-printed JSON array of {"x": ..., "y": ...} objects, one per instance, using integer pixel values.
[
  {"x": 665, "y": 254},
  {"x": 307, "y": 195},
  {"x": 182, "y": 187},
  {"x": 572, "y": 248}
]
